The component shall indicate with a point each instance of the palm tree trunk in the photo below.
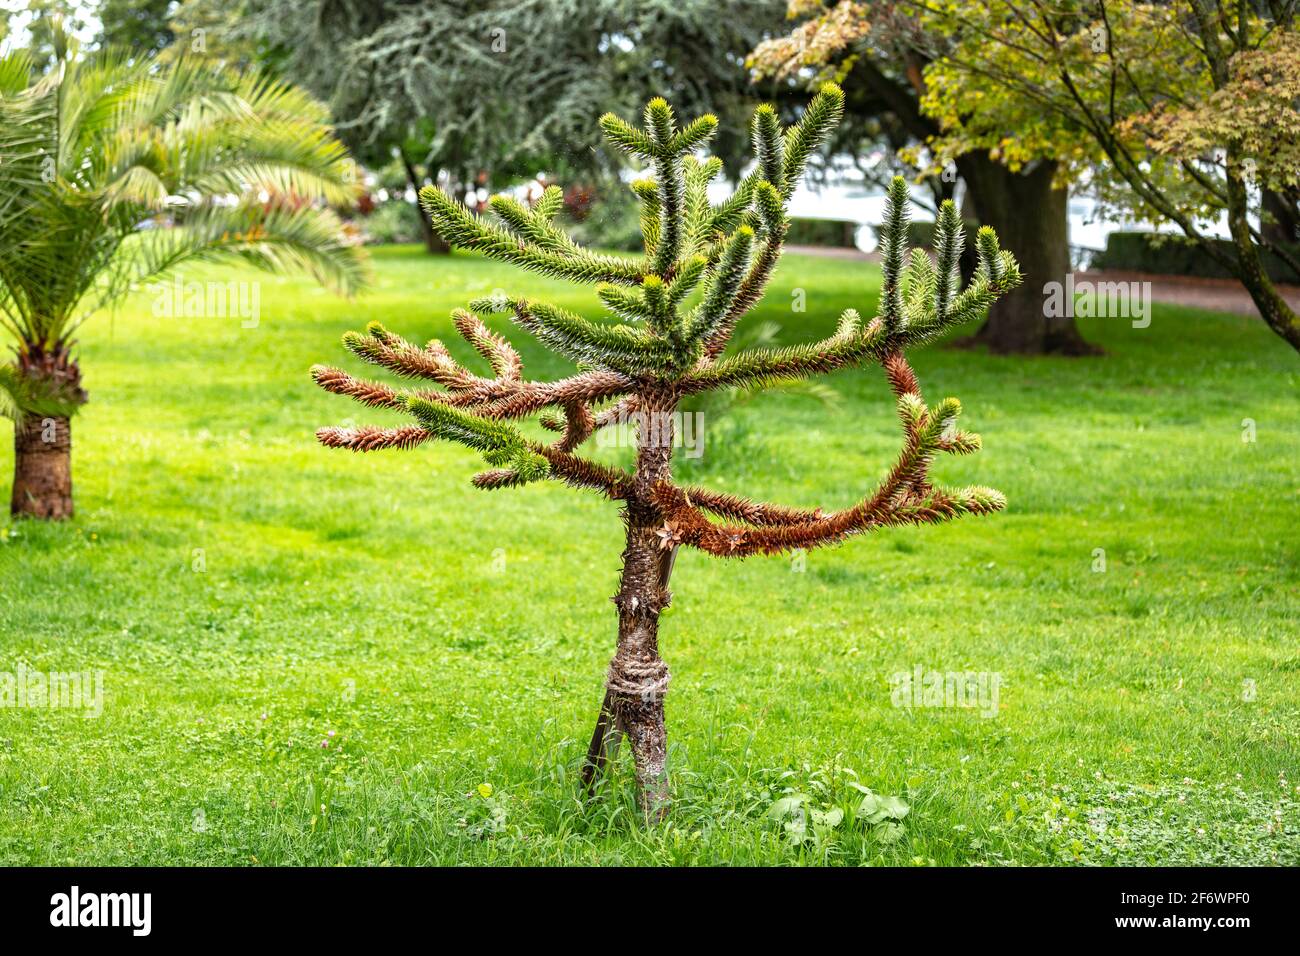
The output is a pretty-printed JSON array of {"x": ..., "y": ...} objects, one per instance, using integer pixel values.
[
  {"x": 43, "y": 441},
  {"x": 42, "y": 468}
]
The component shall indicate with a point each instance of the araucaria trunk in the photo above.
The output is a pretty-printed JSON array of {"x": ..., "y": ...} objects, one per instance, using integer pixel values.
[
  {"x": 637, "y": 680},
  {"x": 42, "y": 468}
]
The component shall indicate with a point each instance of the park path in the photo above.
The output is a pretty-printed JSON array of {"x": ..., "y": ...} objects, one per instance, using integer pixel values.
[
  {"x": 834, "y": 252},
  {"x": 1216, "y": 295}
]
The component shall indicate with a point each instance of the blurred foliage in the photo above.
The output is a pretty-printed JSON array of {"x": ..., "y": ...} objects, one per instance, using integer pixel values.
[
  {"x": 141, "y": 26},
  {"x": 393, "y": 221},
  {"x": 1165, "y": 254},
  {"x": 490, "y": 85},
  {"x": 837, "y": 233}
]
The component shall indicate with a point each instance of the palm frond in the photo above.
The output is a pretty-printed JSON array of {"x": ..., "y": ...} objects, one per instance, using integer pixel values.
[
  {"x": 279, "y": 238},
  {"x": 100, "y": 145}
]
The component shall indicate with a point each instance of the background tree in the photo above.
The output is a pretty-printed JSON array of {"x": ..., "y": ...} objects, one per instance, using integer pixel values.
[
  {"x": 659, "y": 349},
  {"x": 98, "y": 145},
  {"x": 1174, "y": 113},
  {"x": 497, "y": 89},
  {"x": 43, "y": 24},
  {"x": 879, "y": 51},
  {"x": 141, "y": 26}
]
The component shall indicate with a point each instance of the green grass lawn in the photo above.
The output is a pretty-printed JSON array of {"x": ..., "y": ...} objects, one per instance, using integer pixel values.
[{"x": 315, "y": 657}]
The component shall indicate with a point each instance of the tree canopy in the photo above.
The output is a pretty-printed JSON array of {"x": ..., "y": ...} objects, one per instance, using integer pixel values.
[
  {"x": 500, "y": 84},
  {"x": 1172, "y": 113}
]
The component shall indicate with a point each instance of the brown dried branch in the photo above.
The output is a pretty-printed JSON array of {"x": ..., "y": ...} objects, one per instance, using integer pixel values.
[
  {"x": 490, "y": 397},
  {"x": 582, "y": 473},
  {"x": 432, "y": 362},
  {"x": 579, "y": 426},
  {"x": 687, "y": 525},
  {"x": 905, "y": 496},
  {"x": 565, "y": 466},
  {"x": 371, "y": 394},
  {"x": 618, "y": 414},
  {"x": 501, "y": 355},
  {"x": 519, "y": 400},
  {"x": 372, "y": 437},
  {"x": 759, "y": 513},
  {"x": 496, "y": 478},
  {"x": 902, "y": 380}
]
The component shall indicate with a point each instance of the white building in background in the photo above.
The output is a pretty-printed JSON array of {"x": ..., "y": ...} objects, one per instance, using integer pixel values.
[{"x": 843, "y": 199}]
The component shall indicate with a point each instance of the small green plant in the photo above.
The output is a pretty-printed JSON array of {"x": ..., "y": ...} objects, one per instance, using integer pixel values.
[
  {"x": 485, "y": 813},
  {"x": 813, "y": 805}
]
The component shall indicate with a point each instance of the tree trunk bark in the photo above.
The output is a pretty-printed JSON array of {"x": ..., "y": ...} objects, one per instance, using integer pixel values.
[
  {"x": 42, "y": 437},
  {"x": 42, "y": 468},
  {"x": 434, "y": 244},
  {"x": 608, "y": 734},
  {"x": 1281, "y": 318},
  {"x": 1282, "y": 224},
  {"x": 1031, "y": 221},
  {"x": 638, "y": 678}
]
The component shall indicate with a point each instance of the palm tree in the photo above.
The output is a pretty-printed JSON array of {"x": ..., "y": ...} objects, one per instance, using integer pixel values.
[{"x": 239, "y": 165}]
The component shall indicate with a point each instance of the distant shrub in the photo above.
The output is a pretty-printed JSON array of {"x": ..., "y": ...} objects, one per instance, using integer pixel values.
[
  {"x": 391, "y": 222},
  {"x": 1175, "y": 255},
  {"x": 837, "y": 233},
  {"x": 920, "y": 233}
]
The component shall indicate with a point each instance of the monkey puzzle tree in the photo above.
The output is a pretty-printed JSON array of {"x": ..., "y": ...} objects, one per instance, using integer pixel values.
[{"x": 661, "y": 348}]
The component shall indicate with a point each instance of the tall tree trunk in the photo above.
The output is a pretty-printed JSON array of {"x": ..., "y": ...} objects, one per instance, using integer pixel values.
[
  {"x": 434, "y": 244},
  {"x": 1031, "y": 221},
  {"x": 42, "y": 468},
  {"x": 638, "y": 677}
]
